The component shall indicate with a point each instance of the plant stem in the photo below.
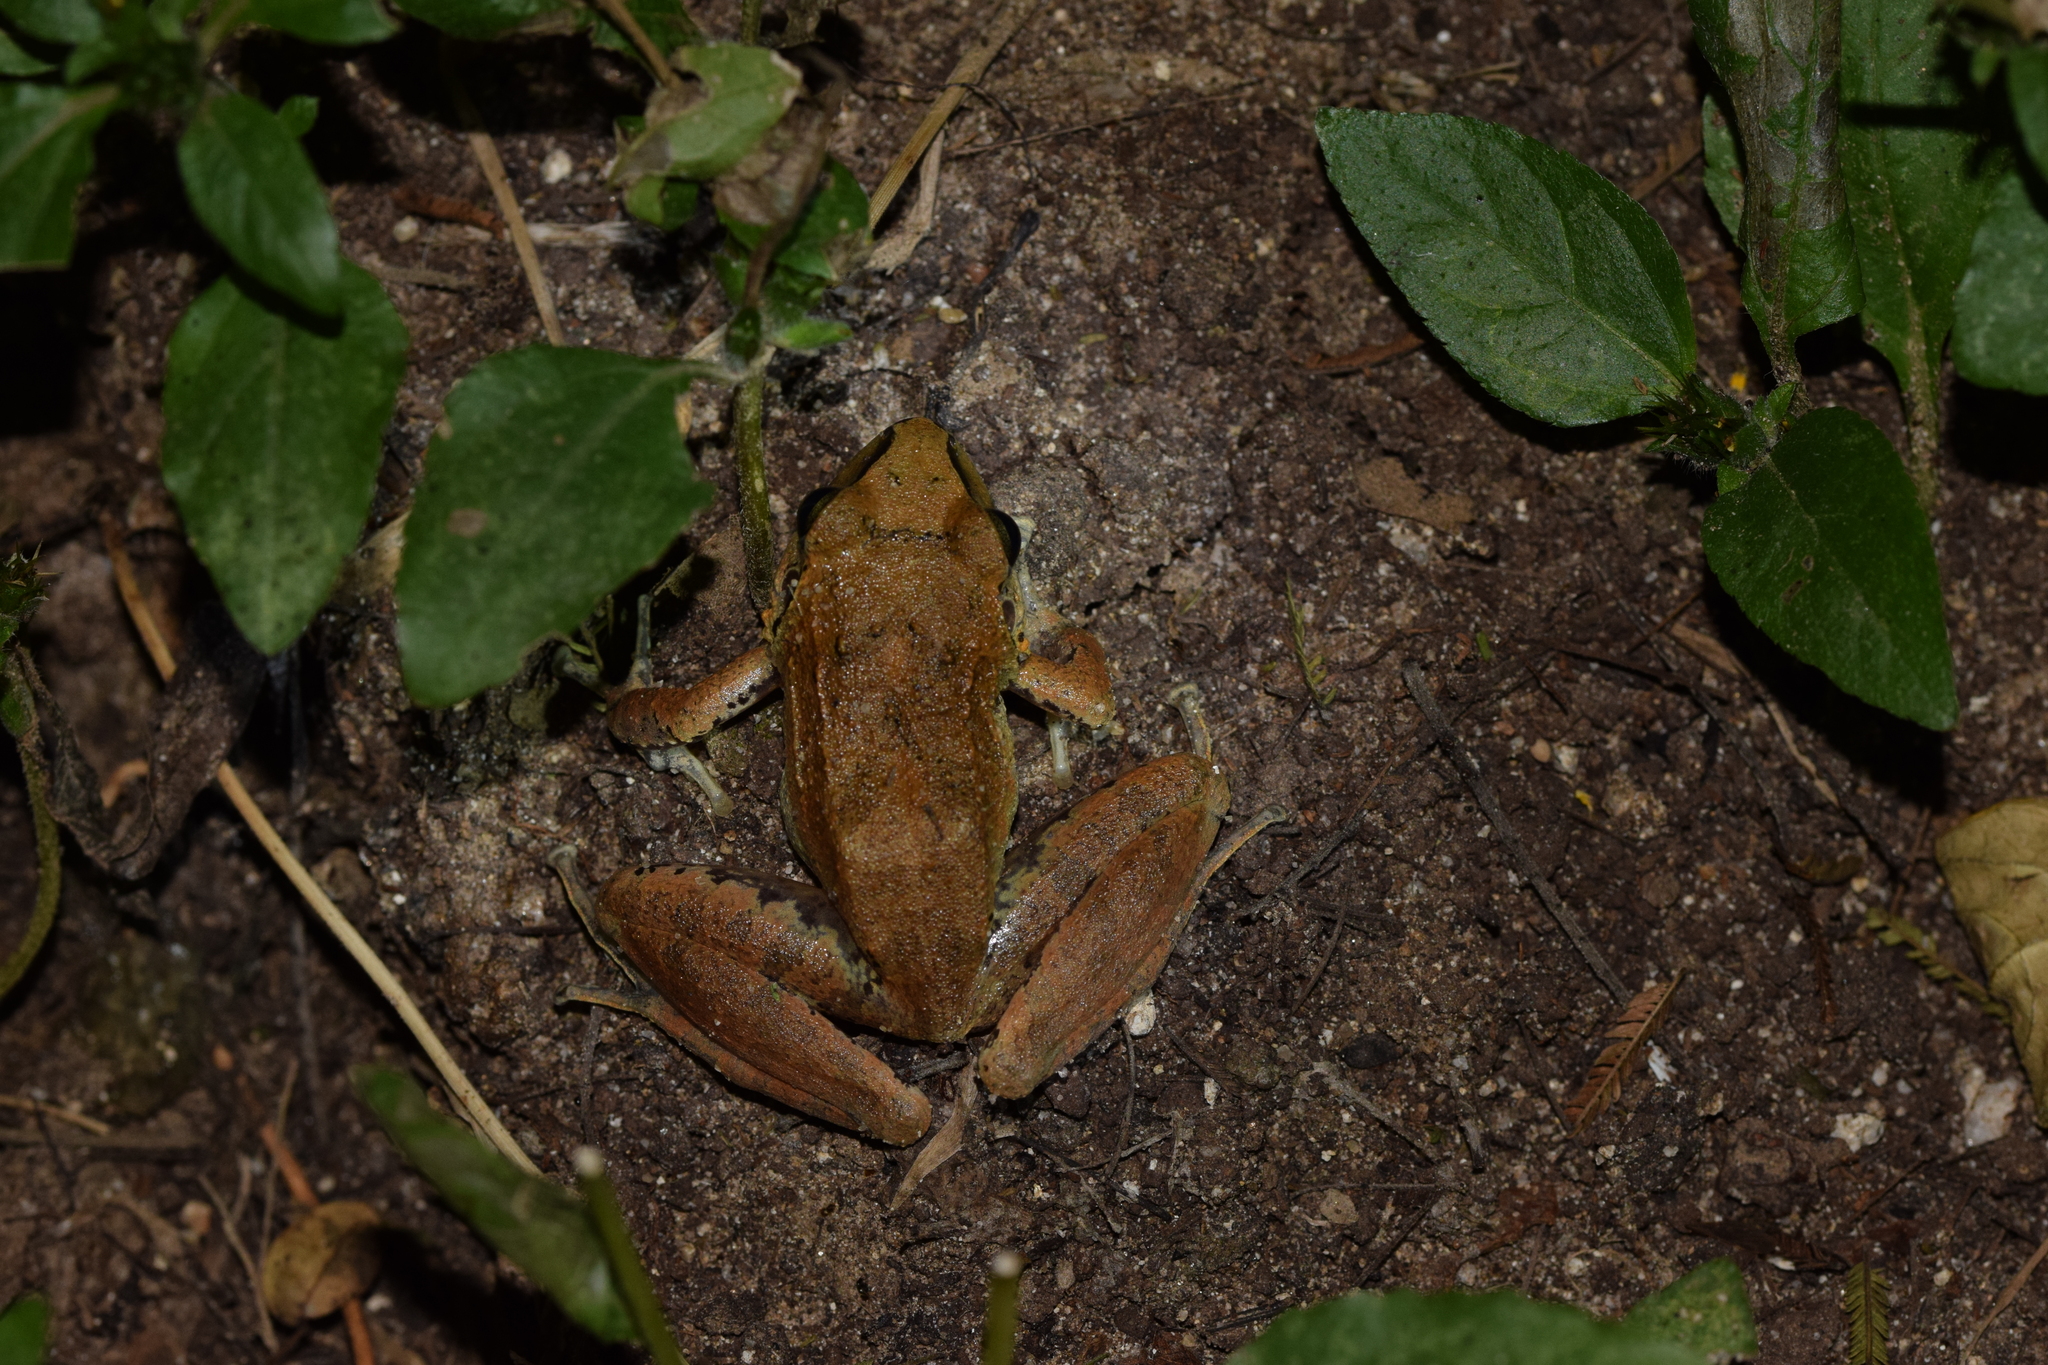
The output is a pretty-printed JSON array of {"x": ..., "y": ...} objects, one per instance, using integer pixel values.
[
  {"x": 749, "y": 458},
  {"x": 750, "y": 21},
  {"x": 634, "y": 1286},
  {"x": 49, "y": 851},
  {"x": 999, "y": 1327}
]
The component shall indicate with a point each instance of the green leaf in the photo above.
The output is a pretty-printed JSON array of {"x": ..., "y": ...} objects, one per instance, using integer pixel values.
[
  {"x": 273, "y": 430},
  {"x": 812, "y": 334},
  {"x": 1826, "y": 548},
  {"x": 343, "y": 23},
  {"x": 1914, "y": 199},
  {"x": 2026, "y": 84},
  {"x": 1707, "y": 1310},
  {"x": 539, "y": 1226},
  {"x": 667, "y": 23},
  {"x": 2002, "y": 303},
  {"x": 23, "y": 1330},
  {"x": 251, "y": 185},
  {"x": 1778, "y": 60},
  {"x": 556, "y": 475},
  {"x": 1402, "y": 1327},
  {"x": 298, "y": 114},
  {"x": 1555, "y": 289},
  {"x": 55, "y": 21},
  {"x": 696, "y": 134},
  {"x": 481, "y": 19},
  {"x": 16, "y": 60},
  {"x": 1760, "y": 432},
  {"x": 828, "y": 239},
  {"x": 45, "y": 154},
  {"x": 666, "y": 203},
  {"x": 1724, "y": 161}
]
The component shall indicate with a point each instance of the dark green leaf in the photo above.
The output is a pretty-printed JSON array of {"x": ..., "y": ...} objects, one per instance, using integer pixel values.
[
  {"x": 1778, "y": 60},
  {"x": 16, "y": 60},
  {"x": 54, "y": 21},
  {"x": 23, "y": 1330},
  {"x": 1826, "y": 548},
  {"x": 1402, "y": 1327},
  {"x": 1766, "y": 424},
  {"x": 666, "y": 203},
  {"x": 1724, "y": 161},
  {"x": 298, "y": 114},
  {"x": 45, "y": 153},
  {"x": 556, "y": 475},
  {"x": 2026, "y": 83},
  {"x": 1913, "y": 199},
  {"x": 273, "y": 431},
  {"x": 2002, "y": 303},
  {"x": 344, "y": 23},
  {"x": 829, "y": 237},
  {"x": 536, "y": 1224},
  {"x": 1555, "y": 289},
  {"x": 145, "y": 51},
  {"x": 168, "y": 17},
  {"x": 251, "y": 185},
  {"x": 695, "y": 134},
  {"x": 482, "y": 19},
  {"x": 1707, "y": 1310},
  {"x": 22, "y": 590},
  {"x": 667, "y": 23}
]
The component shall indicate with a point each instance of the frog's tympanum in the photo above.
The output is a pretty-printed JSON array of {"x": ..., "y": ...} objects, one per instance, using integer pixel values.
[{"x": 903, "y": 615}]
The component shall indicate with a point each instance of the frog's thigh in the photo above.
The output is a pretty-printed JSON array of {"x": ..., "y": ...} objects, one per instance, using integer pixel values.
[
  {"x": 749, "y": 962},
  {"x": 1105, "y": 892}
]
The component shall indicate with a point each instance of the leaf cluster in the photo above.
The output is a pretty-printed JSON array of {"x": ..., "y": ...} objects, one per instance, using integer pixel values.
[
  {"x": 1899, "y": 932},
  {"x": 558, "y": 473},
  {"x": 1861, "y": 173}
]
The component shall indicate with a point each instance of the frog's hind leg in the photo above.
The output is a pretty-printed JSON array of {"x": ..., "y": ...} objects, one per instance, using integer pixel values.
[
  {"x": 1094, "y": 907},
  {"x": 744, "y": 969}
]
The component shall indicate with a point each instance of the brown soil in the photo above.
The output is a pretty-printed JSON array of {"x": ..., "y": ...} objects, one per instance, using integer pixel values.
[{"x": 1136, "y": 382}]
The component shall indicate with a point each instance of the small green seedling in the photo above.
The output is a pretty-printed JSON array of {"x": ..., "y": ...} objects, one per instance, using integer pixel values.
[{"x": 1858, "y": 180}]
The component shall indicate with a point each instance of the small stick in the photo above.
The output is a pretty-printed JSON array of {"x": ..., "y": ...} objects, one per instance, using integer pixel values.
[
  {"x": 616, "y": 11},
  {"x": 2008, "y": 1294},
  {"x": 1401, "y": 1234},
  {"x": 235, "y": 1244},
  {"x": 1329, "y": 951},
  {"x": 459, "y": 1085},
  {"x": 487, "y": 159},
  {"x": 1365, "y": 357},
  {"x": 1482, "y": 791},
  {"x": 91, "y": 1125},
  {"x": 287, "y": 1164},
  {"x": 1677, "y": 155},
  {"x": 978, "y": 148},
  {"x": 1012, "y": 17}
]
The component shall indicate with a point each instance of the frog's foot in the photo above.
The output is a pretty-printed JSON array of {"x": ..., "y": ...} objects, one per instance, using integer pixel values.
[{"x": 745, "y": 966}]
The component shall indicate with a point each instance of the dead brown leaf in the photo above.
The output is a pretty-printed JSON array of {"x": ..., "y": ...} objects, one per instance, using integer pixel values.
[
  {"x": 320, "y": 1262},
  {"x": 1386, "y": 487},
  {"x": 1630, "y": 1032},
  {"x": 1521, "y": 1207},
  {"x": 1763, "y": 1239},
  {"x": 1996, "y": 863}
]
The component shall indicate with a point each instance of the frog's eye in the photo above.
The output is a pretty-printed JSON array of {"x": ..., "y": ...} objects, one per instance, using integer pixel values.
[
  {"x": 1013, "y": 539},
  {"x": 813, "y": 503}
]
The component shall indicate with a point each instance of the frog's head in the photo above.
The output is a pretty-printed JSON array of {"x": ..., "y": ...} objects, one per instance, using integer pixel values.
[{"x": 914, "y": 482}]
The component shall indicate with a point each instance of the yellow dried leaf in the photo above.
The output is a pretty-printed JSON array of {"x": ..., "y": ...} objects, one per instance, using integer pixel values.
[
  {"x": 326, "y": 1258},
  {"x": 1996, "y": 863}
]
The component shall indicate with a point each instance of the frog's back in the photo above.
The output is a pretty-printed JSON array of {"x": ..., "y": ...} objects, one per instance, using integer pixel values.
[{"x": 899, "y": 782}]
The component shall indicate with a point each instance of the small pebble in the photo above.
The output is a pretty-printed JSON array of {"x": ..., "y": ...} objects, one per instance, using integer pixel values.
[
  {"x": 1540, "y": 751},
  {"x": 556, "y": 167},
  {"x": 405, "y": 229}
]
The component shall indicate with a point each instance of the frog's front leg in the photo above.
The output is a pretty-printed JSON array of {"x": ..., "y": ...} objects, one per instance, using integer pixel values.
[
  {"x": 1096, "y": 902},
  {"x": 661, "y": 721},
  {"x": 748, "y": 965}
]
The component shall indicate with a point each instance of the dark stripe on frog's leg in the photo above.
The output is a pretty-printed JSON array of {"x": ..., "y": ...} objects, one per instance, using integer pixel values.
[{"x": 755, "y": 964}]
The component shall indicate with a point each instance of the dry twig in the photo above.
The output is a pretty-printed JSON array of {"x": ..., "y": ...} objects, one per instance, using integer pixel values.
[
  {"x": 487, "y": 159},
  {"x": 1482, "y": 792},
  {"x": 459, "y": 1086},
  {"x": 2008, "y": 1294}
]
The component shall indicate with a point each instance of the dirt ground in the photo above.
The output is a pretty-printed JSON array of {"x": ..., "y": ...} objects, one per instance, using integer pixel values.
[{"x": 1136, "y": 378}]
